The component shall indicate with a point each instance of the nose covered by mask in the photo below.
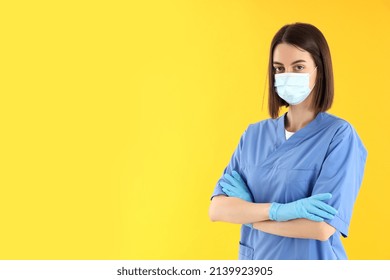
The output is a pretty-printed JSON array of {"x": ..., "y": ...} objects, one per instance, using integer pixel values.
[{"x": 293, "y": 87}]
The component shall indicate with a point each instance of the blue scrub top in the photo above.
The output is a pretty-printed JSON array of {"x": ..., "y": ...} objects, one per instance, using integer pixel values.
[{"x": 326, "y": 155}]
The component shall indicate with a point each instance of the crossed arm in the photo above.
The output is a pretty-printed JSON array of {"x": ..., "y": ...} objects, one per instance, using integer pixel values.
[{"x": 235, "y": 210}]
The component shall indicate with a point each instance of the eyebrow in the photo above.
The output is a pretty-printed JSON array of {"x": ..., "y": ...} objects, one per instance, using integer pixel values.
[{"x": 295, "y": 62}]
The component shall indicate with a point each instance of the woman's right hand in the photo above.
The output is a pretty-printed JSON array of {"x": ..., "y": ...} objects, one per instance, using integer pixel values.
[{"x": 237, "y": 187}]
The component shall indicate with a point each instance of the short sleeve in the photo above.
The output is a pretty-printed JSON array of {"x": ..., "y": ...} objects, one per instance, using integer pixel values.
[
  {"x": 342, "y": 174},
  {"x": 234, "y": 164}
]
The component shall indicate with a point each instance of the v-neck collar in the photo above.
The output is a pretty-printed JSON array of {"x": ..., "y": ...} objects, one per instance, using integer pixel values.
[
  {"x": 298, "y": 134},
  {"x": 282, "y": 146}
]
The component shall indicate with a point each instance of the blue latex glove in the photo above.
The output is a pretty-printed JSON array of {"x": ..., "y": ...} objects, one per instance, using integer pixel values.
[
  {"x": 237, "y": 188},
  {"x": 312, "y": 208}
]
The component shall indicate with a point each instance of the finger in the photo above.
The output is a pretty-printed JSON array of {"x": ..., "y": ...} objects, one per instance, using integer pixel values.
[
  {"x": 237, "y": 176},
  {"x": 320, "y": 213},
  {"x": 227, "y": 186},
  {"x": 232, "y": 180},
  {"x": 231, "y": 193},
  {"x": 228, "y": 192},
  {"x": 324, "y": 206},
  {"x": 322, "y": 196},
  {"x": 323, "y": 214},
  {"x": 314, "y": 218}
]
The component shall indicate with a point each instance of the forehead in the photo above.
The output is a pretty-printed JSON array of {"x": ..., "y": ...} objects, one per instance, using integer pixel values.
[{"x": 287, "y": 53}]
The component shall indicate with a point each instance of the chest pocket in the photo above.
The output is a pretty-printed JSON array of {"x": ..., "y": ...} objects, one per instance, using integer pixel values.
[{"x": 298, "y": 183}]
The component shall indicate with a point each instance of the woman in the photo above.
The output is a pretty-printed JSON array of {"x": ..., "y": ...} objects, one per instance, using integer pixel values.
[{"x": 293, "y": 180}]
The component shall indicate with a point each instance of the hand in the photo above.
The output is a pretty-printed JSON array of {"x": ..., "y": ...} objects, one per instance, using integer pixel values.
[
  {"x": 237, "y": 188},
  {"x": 312, "y": 208}
]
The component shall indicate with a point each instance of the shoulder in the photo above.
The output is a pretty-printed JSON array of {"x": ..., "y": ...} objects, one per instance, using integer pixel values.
[
  {"x": 344, "y": 131},
  {"x": 338, "y": 125},
  {"x": 335, "y": 121},
  {"x": 263, "y": 124},
  {"x": 260, "y": 132},
  {"x": 262, "y": 127}
]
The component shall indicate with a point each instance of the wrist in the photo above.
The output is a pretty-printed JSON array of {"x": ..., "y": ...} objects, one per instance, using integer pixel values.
[{"x": 273, "y": 211}]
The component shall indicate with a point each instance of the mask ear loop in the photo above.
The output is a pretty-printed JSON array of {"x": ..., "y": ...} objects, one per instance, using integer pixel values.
[{"x": 314, "y": 81}]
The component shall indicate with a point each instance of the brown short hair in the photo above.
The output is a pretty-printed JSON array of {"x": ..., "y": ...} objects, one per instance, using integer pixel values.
[{"x": 309, "y": 38}]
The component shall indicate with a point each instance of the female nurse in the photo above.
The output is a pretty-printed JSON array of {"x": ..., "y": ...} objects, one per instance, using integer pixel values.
[{"x": 293, "y": 179}]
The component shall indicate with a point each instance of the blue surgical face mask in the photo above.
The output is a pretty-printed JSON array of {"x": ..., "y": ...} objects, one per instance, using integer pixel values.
[{"x": 293, "y": 87}]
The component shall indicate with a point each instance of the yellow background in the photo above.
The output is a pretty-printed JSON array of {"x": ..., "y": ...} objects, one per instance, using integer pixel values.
[{"x": 118, "y": 117}]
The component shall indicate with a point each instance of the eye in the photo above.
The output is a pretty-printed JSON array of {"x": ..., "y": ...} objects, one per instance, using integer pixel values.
[
  {"x": 278, "y": 69},
  {"x": 299, "y": 68}
]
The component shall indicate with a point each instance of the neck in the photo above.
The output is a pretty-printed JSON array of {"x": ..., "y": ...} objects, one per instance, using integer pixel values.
[{"x": 298, "y": 117}]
